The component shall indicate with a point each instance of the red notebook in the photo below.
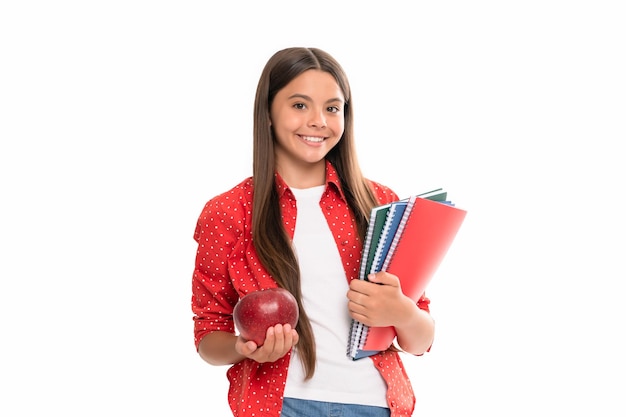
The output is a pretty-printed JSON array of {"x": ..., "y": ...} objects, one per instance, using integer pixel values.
[{"x": 422, "y": 239}]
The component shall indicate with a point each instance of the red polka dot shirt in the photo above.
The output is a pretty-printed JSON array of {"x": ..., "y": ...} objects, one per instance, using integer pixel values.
[{"x": 227, "y": 267}]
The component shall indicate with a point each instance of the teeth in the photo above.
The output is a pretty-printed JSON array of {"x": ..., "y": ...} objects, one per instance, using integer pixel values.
[{"x": 312, "y": 138}]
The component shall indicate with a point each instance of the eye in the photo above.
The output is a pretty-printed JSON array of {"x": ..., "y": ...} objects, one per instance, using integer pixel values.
[
  {"x": 299, "y": 106},
  {"x": 333, "y": 109}
]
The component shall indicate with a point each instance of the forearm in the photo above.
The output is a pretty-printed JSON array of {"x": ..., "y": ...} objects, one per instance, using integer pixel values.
[
  {"x": 218, "y": 348},
  {"x": 417, "y": 332}
]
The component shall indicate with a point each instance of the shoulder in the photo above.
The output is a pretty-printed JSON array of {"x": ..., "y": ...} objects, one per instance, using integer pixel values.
[
  {"x": 383, "y": 193},
  {"x": 238, "y": 196},
  {"x": 229, "y": 209}
]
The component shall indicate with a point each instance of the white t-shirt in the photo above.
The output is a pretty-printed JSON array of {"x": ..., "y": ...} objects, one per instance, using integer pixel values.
[{"x": 324, "y": 287}]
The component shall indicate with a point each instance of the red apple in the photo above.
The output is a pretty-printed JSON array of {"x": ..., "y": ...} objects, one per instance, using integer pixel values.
[{"x": 257, "y": 311}]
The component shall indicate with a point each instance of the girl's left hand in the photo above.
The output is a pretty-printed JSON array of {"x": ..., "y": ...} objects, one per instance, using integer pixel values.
[{"x": 379, "y": 301}]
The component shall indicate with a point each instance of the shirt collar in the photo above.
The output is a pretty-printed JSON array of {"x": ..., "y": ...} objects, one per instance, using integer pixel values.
[{"x": 332, "y": 181}]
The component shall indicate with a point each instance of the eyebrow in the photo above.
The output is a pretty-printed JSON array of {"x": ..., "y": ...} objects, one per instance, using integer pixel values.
[{"x": 305, "y": 97}]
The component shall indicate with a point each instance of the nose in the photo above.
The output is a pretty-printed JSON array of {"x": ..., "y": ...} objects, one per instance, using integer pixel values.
[{"x": 317, "y": 119}]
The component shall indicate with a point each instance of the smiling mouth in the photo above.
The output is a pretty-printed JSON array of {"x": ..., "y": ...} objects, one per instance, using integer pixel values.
[{"x": 316, "y": 139}]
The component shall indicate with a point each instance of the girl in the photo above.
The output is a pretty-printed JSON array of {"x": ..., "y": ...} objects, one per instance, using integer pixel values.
[{"x": 299, "y": 223}]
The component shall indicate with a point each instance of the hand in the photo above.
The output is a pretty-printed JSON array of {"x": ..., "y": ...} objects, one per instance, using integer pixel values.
[
  {"x": 379, "y": 301},
  {"x": 278, "y": 341}
]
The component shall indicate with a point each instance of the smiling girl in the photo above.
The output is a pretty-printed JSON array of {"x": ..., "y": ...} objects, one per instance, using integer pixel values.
[{"x": 299, "y": 223}]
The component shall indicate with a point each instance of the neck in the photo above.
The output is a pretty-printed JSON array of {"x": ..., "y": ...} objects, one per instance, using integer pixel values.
[{"x": 302, "y": 177}]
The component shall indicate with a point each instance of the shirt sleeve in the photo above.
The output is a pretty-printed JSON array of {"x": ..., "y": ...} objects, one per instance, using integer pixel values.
[
  {"x": 213, "y": 295},
  {"x": 383, "y": 193},
  {"x": 424, "y": 303}
]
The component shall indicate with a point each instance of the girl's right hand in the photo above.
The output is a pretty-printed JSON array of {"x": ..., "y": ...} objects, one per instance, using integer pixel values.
[{"x": 278, "y": 341}]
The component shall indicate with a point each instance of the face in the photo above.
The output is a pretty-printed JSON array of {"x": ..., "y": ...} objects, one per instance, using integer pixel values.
[{"x": 308, "y": 121}]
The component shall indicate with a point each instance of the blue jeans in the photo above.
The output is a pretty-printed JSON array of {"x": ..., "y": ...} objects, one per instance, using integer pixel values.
[{"x": 293, "y": 407}]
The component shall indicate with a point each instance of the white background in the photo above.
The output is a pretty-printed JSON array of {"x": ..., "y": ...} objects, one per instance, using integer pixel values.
[{"x": 119, "y": 119}]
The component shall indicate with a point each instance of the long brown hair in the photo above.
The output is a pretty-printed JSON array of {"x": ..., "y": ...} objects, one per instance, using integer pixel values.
[{"x": 270, "y": 239}]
